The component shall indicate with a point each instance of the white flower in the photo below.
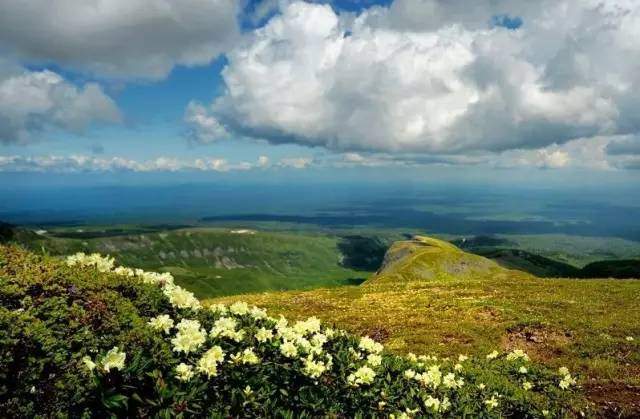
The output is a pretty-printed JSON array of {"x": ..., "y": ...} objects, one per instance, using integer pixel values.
[
  {"x": 219, "y": 308},
  {"x": 527, "y": 385},
  {"x": 247, "y": 391},
  {"x": 374, "y": 360},
  {"x": 566, "y": 382},
  {"x": 313, "y": 369},
  {"x": 493, "y": 355},
  {"x": 458, "y": 367},
  {"x": 239, "y": 307},
  {"x": 101, "y": 263},
  {"x": 311, "y": 325},
  {"x": 121, "y": 270},
  {"x": 450, "y": 381},
  {"x": 523, "y": 370},
  {"x": 432, "y": 402},
  {"x": 249, "y": 357},
  {"x": 258, "y": 313},
  {"x": 432, "y": 377},
  {"x": 263, "y": 335},
  {"x": 629, "y": 338},
  {"x": 517, "y": 354},
  {"x": 184, "y": 372},
  {"x": 190, "y": 336},
  {"x": 482, "y": 386},
  {"x": 226, "y": 327},
  {"x": 113, "y": 359},
  {"x": 208, "y": 363},
  {"x": 181, "y": 298},
  {"x": 162, "y": 322},
  {"x": 491, "y": 403},
  {"x": 369, "y": 345},
  {"x": 409, "y": 374},
  {"x": 412, "y": 357},
  {"x": 288, "y": 349},
  {"x": 563, "y": 371},
  {"x": 364, "y": 375},
  {"x": 88, "y": 363},
  {"x": 462, "y": 358},
  {"x": 318, "y": 339}
]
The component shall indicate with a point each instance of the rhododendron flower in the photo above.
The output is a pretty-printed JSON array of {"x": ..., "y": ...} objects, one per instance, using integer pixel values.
[
  {"x": 239, "y": 307},
  {"x": 113, "y": 359},
  {"x": 491, "y": 403},
  {"x": 374, "y": 360},
  {"x": 263, "y": 335},
  {"x": 190, "y": 336},
  {"x": 162, "y": 322},
  {"x": 517, "y": 354},
  {"x": 369, "y": 345},
  {"x": 208, "y": 363},
  {"x": 184, "y": 372},
  {"x": 88, "y": 363},
  {"x": 364, "y": 375},
  {"x": 288, "y": 349}
]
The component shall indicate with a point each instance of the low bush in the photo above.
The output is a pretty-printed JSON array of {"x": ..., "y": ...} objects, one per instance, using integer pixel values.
[{"x": 87, "y": 338}]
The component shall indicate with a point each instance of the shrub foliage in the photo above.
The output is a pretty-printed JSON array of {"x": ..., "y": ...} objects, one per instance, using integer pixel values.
[{"x": 86, "y": 338}]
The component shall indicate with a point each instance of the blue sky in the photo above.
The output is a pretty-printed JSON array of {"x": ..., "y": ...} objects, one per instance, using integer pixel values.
[{"x": 418, "y": 86}]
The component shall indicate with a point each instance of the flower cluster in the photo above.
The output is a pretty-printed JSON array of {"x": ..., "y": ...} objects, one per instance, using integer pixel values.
[
  {"x": 101, "y": 263},
  {"x": 114, "y": 359},
  {"x": 178, "y": 296},
  {"x": 213, "y": 346}
]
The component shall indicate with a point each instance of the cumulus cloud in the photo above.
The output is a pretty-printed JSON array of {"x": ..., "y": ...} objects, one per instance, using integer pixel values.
[
  {"x": 35, "y": 101},
  {"x": 296, "y": 162},
  {"x": 120, "y": 38},
  {"x": 437, "y": 78},
  {"x": 202, "y": 126},
  {"x": 84, "y": 163}
]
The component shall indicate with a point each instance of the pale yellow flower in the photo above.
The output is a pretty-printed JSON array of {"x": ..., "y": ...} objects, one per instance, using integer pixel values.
[
  {"x": 364, "y": 375},
  {"x": 113, "y": 359},
  {"x": 491, "y": 403},
  {"x": 184, "y": 372},
  {"x": 88, "y": 363},
  {"x": 162, "y": 322},
  {"x": 288, "y": 349},
  {"x": 369, "y": 345}
]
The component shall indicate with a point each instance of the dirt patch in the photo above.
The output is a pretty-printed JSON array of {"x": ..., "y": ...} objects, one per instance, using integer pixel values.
[
  {"x": 487, "y": 314},
  {"x": 378, "y": 333},
  {"x": 614, "y": 400},
  {"x": 543, "y": 342}
]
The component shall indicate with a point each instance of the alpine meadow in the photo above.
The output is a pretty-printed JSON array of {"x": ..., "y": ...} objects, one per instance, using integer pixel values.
[{"x": 320, "y": 209}]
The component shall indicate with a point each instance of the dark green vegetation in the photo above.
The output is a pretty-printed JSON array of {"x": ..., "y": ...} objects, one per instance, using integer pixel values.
[
  {"x": 235, "y": 259},
  {"x": 431, "y": 297},
  {"x": 224, "y": 261},
  {"x": 52, "y": 316},
  {"x": 499, "y": 249}
]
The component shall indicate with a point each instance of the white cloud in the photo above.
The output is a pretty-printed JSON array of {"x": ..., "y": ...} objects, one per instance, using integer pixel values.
[
  {"x": 35, "y": 101},
  {"x": 296, "y": 162},
  {"x": 203, "y": 126},
  {"x": 84, "y": 163},
  {"x": 120, "y": 38},
  {"x": 432, "y": 77}
]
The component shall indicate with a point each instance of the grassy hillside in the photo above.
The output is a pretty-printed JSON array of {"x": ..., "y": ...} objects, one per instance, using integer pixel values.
[
  {"x": 431, "y": 297},
  {"x": 221, "y": 261},
  {"x": 86, "y": 337}
]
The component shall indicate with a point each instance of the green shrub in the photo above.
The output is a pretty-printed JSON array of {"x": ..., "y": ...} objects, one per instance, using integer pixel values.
[{"x": 94, "y": 340}]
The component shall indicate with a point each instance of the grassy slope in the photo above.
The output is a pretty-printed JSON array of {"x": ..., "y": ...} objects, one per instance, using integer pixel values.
[
  {"x": 431, "y": 297},
  {"x": 214, "y": 261}
]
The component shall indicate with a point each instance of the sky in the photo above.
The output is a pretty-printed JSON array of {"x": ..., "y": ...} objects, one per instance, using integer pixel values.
[{"x": 491, "y": 89}]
